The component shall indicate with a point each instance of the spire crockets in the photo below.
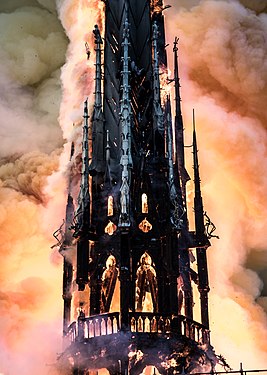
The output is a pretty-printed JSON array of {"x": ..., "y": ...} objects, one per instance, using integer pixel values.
[
  {"x": 125, "y": 115},
  {"x": 97, "y": 164}
]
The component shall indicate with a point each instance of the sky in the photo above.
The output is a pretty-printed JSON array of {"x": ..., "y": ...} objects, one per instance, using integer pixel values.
[{"x": 45, "y": 77}]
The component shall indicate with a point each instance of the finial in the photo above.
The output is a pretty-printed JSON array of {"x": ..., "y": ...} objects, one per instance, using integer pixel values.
[{"x": 175, "y": 43}]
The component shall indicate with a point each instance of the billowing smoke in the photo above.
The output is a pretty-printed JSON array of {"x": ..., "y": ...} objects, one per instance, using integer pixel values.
[
  {"x": 223, "y": 76},
  {"x": 33, "y": 46}
]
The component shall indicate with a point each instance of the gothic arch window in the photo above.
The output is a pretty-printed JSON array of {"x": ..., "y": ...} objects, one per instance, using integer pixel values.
[
  {"x": 146, "y": 285},
  {"x": 109, "y": 278}
]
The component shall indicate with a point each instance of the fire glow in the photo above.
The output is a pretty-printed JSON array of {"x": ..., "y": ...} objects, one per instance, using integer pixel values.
[
  {"x": 230, "y": 168},
  {"x": 205, "y": 144}
]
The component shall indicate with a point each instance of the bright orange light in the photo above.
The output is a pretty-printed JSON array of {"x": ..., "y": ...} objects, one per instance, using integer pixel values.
[
  {"x": 110, "y": 228},
  {"x": 144, "y": 204},
  {"x": 145, "y": 226},
  {"x": 165, "y": 87},
  {"x": 110, "y": 205}
]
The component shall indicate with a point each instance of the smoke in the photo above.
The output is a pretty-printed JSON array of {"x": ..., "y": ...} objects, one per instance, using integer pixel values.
[
  {"x": 33, "y": 46},
  {"x": 223, "y": 75}
]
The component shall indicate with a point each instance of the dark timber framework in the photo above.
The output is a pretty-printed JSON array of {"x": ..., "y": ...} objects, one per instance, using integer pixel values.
[{"x": 131, "y": 224}]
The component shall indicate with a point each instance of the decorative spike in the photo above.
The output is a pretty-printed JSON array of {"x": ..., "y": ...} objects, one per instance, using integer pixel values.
[
  {"x": 82, "y": 214},
  {"x": 97, "y": 164},
  {"x": 173, "y": 192},
  {"x": 125, "y": 113},
  {"x": 198, "y": 203},
  {"x": 174, "y": 183},
  {"x": 158, "y": 113},
  {"x": 201, "y": 239},
  {"x": 98, "y": 74},
  {"x": 107, "y": 148},
  {"x": 179, "y": 127}
]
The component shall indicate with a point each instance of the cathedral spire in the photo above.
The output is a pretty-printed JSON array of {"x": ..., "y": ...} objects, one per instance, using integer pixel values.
[
  {"x": 126, "y": 157},
  {"x": 138, "y": 280}
]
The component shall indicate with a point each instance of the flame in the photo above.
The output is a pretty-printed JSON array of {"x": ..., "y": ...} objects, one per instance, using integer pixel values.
[
  {"x": 137, "y": 355},
  {"x": 110, "y": 205},
  {"x": 164, "y": 78},
  {"x": 223, "y": 75},
  {"x": 145, "y": 225},
  {"x": 110, "y": 228}
]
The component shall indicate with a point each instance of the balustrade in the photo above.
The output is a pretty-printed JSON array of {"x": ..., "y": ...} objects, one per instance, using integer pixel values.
[
  {"x": 93, "y": 326},
  {"x": 139, "y": 322},
  {"x": 160, "y": 323}
]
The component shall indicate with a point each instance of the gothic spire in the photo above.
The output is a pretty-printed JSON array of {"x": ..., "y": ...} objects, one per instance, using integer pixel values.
[{"x": 125, "y": 113}]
